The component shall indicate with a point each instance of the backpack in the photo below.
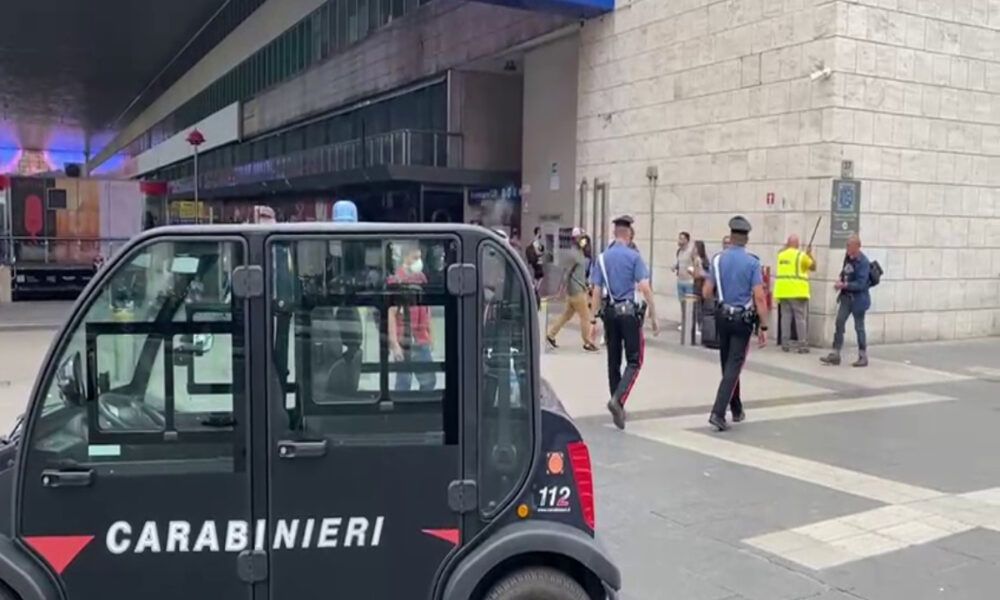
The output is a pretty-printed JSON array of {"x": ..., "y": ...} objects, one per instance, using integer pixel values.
[{"x": 875, "y": 274}]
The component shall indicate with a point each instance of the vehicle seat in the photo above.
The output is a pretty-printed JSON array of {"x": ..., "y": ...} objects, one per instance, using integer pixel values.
[{"x": 344, "y": 374}]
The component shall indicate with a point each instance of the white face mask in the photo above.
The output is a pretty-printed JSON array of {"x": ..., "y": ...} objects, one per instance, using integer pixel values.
[{"x": 417, "y": 266}]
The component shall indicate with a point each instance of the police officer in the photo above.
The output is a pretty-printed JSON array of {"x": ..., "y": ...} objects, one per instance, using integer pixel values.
[
  {"x": 615, "y": 276},
  {"x": 735, "y": 280}
]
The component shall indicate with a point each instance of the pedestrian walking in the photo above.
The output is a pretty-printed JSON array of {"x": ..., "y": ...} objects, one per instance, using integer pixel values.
[
  {"x": 684, "y": 268},
  {"x": 735, "y": 281},
  {"x": 853, "y": 300},
  {"x": 576, "y": 289},
  {"x": 410, "y": 338},
  {"x": 701, "y": 266},
  {"x": 535, "y": 255},
  {"x": 619, "y": 270},
  {"x": 791, "y": 290}
]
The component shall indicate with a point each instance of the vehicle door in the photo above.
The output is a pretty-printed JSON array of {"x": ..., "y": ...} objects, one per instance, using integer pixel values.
[
  {"x": 133, "y": 480},
  {"x": 363, "y": 393}
]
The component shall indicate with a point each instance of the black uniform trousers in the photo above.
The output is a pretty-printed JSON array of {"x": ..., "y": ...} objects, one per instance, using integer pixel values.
[
  {"x": 734, "y": 343},
  {"x": 623, "y": 333}
]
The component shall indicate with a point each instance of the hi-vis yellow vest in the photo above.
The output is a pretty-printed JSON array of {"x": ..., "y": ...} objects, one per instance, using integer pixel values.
[{"x": 792, "y": 280}]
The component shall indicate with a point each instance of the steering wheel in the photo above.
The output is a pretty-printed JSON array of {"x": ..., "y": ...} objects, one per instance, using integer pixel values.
[{"x": 128, "y": 413}]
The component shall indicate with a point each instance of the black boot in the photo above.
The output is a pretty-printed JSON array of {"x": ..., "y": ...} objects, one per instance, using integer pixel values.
[
  {"x": 718, "y": 422},
  {"x": 617, "y": 413}
]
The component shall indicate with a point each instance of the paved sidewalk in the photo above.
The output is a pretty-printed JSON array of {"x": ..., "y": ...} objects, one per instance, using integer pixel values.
[
  {"x": 677, "y": 378},
  {"x": 48, "y": 314}
]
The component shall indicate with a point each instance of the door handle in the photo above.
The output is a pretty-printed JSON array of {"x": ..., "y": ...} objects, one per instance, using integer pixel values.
[
  {"x": 57, "y": 478},
  {"x": 313, "y": 449}
]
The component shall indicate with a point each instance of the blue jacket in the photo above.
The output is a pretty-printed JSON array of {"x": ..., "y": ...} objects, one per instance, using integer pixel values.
[{"x": 855, "y": 274}]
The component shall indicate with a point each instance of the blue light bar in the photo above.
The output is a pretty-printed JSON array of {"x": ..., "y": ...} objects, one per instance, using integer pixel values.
[{"x": 573, "y": 8}]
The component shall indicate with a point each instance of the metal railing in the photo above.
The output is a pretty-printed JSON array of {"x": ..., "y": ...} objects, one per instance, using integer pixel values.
[
  {"x": 58, "y": 250},
  {"x": 404, "y": 147}
]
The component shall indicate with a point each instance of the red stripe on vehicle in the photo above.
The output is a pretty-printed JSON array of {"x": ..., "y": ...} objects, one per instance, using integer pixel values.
[
  {"x": 59, "y": 550},
  {"x": 448, "y": 535}
]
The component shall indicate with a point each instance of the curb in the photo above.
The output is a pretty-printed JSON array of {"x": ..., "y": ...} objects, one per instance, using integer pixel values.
[{"x": 29, "y": 326}]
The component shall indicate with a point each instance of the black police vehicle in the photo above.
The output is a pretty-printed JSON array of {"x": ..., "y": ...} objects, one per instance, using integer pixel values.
[{"x": 308, "y": 411}]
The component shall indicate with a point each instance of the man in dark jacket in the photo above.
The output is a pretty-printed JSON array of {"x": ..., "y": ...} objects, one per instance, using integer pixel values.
[{"x": 854, "y": 300}]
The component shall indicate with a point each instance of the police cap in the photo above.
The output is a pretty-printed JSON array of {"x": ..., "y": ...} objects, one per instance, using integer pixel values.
[
  {"x": 623, "y": 221},
  {"x": 739, "y": 224}
]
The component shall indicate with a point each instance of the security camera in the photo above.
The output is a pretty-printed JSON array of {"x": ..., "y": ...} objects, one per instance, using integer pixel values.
[{"x": 823, "y": 73}]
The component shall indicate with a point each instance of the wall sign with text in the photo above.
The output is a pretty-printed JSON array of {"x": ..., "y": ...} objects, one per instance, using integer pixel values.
[{"x": 845, "y": 211}]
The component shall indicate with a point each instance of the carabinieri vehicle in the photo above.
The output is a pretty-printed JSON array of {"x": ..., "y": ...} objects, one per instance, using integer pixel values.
[{"x": 300, "y": 412}]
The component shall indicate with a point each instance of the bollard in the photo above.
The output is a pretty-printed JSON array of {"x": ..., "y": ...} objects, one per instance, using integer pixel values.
[
  {"x": 689, "y": 327},
  {"x": 6, "y": 283},
  {"x": 543, "y": 323}
]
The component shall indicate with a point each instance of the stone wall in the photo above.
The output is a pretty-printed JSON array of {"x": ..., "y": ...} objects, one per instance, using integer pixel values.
[
  {"x": 920, "y": 116},
  {"x": 718, "y": 96}
]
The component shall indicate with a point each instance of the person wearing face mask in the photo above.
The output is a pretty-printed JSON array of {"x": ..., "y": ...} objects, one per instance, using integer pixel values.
[{"x": 410, "y": 338}]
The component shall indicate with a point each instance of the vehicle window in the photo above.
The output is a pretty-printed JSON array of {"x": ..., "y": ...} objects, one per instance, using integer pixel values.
[
  {"x": 154, "y": 369},
  {"x": 366, "y": 339},
  {"x": 505, "y": 385}
]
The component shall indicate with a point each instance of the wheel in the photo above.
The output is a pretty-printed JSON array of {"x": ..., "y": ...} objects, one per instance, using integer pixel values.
[{"x": 537, "y": 583}]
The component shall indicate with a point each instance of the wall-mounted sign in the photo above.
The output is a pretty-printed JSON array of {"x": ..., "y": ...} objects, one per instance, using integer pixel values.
[
  {"x": 574, "y": 8},
  {"x": 847, "y": 169},
  {"x": 845, "y": 211}
]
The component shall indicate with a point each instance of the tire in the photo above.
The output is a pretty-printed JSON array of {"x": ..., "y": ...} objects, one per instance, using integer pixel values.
[
  {"x": 6, "y": 593},
  {"x": 537, "y": 583}
]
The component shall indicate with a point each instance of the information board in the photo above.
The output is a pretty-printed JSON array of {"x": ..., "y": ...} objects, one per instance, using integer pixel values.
[{"x": 845, "y": 211}]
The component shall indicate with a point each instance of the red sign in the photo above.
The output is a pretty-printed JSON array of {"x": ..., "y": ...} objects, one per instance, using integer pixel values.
[
  {"x": 195, "y": 138},
  {"x": 770, "y": 198}
]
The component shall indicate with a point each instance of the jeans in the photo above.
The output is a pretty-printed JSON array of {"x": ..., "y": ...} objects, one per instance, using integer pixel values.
[
  {"x": 845, "y": 310},
  {"x": 427, "y": 380}
]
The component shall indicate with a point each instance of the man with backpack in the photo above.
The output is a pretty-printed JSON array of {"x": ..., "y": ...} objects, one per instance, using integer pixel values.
[
  {"x": 577, "y": 290},
  {"x": 857, "y": 277}
]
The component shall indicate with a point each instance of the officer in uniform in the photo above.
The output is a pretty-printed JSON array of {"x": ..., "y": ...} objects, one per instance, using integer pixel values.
[
  {"x": 618, "y": 272},
  {"x": 734, "y": 280}
]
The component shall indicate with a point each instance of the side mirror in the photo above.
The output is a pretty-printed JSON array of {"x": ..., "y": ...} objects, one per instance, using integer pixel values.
[{"x": 69, "y": 378}]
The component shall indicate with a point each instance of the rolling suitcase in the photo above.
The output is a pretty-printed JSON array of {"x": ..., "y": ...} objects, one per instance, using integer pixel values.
[{"x": 709, "y": 335}]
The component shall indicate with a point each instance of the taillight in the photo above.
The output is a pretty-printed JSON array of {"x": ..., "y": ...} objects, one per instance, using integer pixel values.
[{"x": 579, "y": 459}]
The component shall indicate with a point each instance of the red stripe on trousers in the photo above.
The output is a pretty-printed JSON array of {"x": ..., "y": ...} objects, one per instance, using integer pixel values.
[
  {"x": 746, "y": 355},
  {"x": 642, "y": 356}
]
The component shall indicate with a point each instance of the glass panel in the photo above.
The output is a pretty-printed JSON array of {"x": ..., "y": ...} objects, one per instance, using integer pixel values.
[
  {"x": 366, "y": 339},
  {"x": 504, "y": 401},
  {"x": 147, "y": 311}
]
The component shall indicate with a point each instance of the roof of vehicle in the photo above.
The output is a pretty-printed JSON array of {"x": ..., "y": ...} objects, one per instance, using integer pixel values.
[{"x": 321, "y": 226}]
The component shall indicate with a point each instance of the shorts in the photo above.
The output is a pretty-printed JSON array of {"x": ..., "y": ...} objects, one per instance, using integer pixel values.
[{"x": 684, "y": 288}]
